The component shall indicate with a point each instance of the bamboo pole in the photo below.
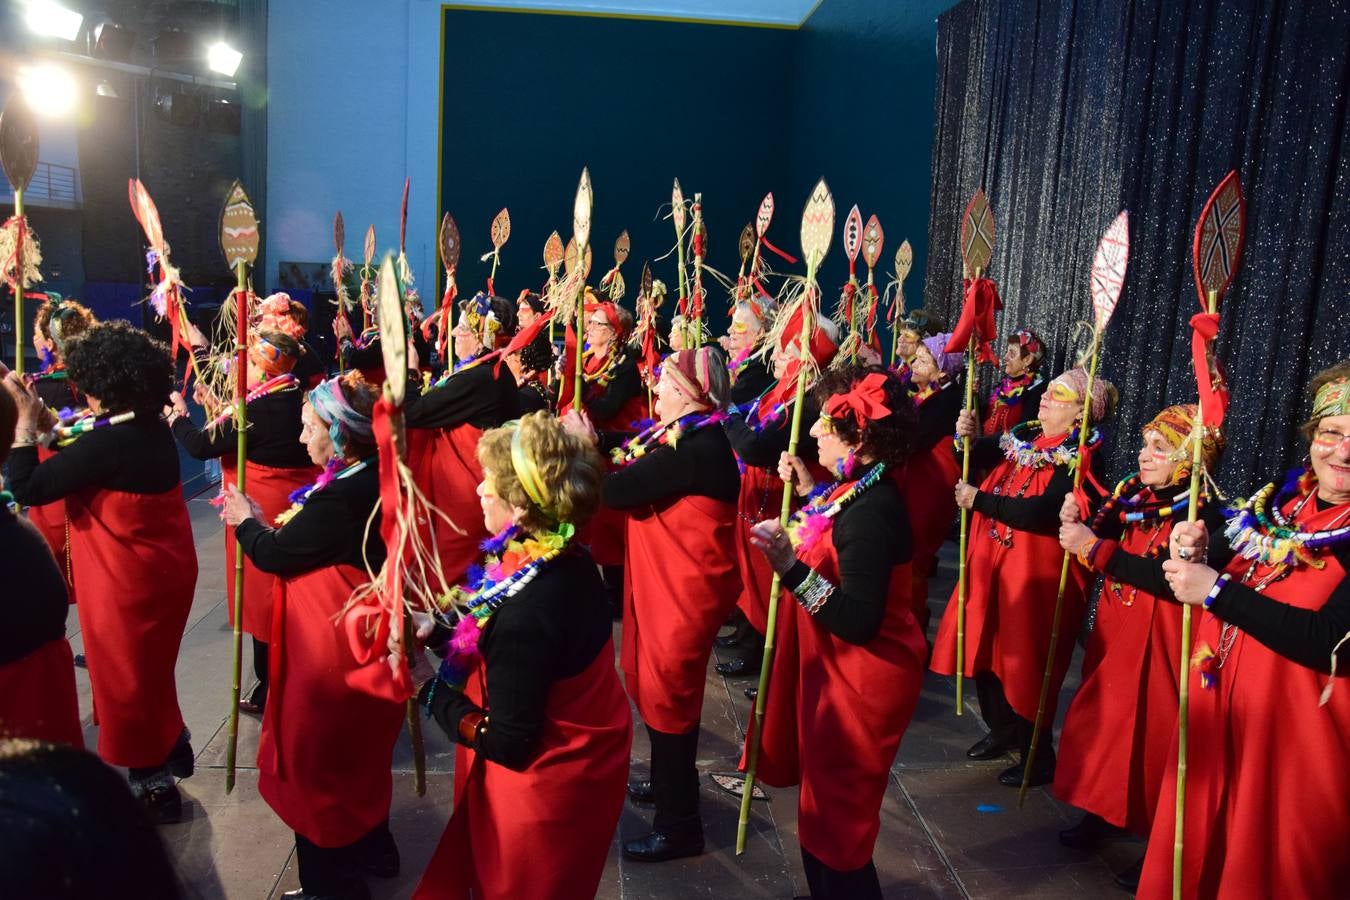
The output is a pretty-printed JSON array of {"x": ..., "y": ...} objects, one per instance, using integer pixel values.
[
  {"x": 19, "y": 284},
  {"x": 241, "y": 463},
  {"x": 963, "y": 565}
]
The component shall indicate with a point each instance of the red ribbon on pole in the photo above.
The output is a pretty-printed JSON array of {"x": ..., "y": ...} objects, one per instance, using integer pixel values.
[
  {"x": 977, "y": 320},
  {"x": 1209, "y": 379}
]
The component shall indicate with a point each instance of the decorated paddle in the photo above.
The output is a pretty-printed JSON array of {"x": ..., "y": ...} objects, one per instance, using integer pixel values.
[
  {"x": 20, "y": 260},
  {"x": 612, "y": 282},
  {"x": 846, "y": 315},
  {"x": 1107, "y": 279},
  {"x": 581, "y": 237},
  {"x": 447, "y": 244},
  {"x": 337, "y": 271},
  {"x": 166, "y": 298},
  {"x": 367, "y": 277},
  {"x": 1216, "y": 251},
  {"x": 698, "y": 242},
  {"x": 904, "y": 261},
  {"x": 816, "y": 229},
  {"x": 872, "y": 241},
  {"x": 746, "y": 247},
  {"x": 239, "y": 241},
  {"x": 501, "y": 232},
  {"x": 678, "y": 216},
  {"x": 554, "y": 254},
  {"x": 644, "y": 334},
  {"x": 404, "y": 270}
]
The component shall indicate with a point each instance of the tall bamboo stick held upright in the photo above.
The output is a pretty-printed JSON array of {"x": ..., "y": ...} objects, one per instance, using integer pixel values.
[
  {"x": 1215, "y": 254},
  {"x": 581, "y": 235},
  {"x": 1108, "y": 276},
  {"x": 239, "y": 243},
  {"x": 18, "y": 157},
  {"x": 817, "y": 226}
]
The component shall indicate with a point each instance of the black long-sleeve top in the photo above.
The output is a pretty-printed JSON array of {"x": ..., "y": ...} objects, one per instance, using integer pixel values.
[
  {"x": 1146, "y": 573},
  {"x": 59, "y": 393},
  {"x": 1037, "y": 514},
  {"x": 309, "y": 368},
  {"x": 329, "y": 530},
  {"x": 1306, "y": 636},
  {"x": 481, "y": 396},
  {"x": 753, "y": 380},
  {"x": 34, "y": 601},
  {"x": 700, "y": 464},
  {"x": 137, "y": 457},
  {"x": 371, "y": 356},
  {"x": 604, "y": 403},
  {"x": 273, "y": 433},
  {"x": 871, "y": 537},
  {"x": 937, "y": 415},
  {"x": 532, "y": 396},
  {"x": 763, "y": 448},
  {"x": 550, "y": 631}
]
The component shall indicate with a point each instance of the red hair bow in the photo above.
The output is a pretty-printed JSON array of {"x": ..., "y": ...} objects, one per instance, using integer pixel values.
[{"x": 865, "y": 401}]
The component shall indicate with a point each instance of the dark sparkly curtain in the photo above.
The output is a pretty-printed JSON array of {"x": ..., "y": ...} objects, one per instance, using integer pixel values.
[{"x": 1066, "y": 112}]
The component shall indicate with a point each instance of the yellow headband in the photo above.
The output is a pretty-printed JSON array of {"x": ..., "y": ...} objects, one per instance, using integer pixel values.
[{"x": 528, "y": 473}]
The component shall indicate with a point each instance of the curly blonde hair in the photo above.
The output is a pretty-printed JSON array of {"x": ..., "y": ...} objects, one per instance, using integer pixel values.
[{"x": 569, "y": 469}]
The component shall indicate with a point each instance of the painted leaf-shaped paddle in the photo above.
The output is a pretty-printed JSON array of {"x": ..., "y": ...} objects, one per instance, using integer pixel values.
[
  {"x": 873, "y": 237},
  {"x": 1218, "y": 238},
  {"x": 403, "y": 216},
  {"x": 393, "y": 330},
  {"x": 853, "y": 234},
  {"x": 339, "y": 232},
  {"x": 570, "y": 263},
  {"x": 765, "y": 214},
  {"x": 238, "y": 228},
  {"x": 448, "y": 242},
  {"x": 747, "y": 243},
  {"x": 581, "y": 211},
  {"x": 622, "y": 247},
  {"x": 1108, "y": 269},
  {"x": 18, "y": 142},
  {"x": 368, "y": 251},
  {"x": 501, "y": 229},
  {"x": 904, "y": 261},
  {"x": 817, "y": 224},
  {"x": 645, "y": 283},
  {"x": 677, "y": 206},
  {"x": 553, "y": 254},
  {"x": 147, "y": 214},
  {"x": 977, "y": 233}
]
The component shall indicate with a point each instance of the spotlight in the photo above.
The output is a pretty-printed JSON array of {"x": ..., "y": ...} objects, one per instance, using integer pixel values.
[
  {"x": 105, "y": 89},
  {"x": 52, "y": 19},
  {"x": 224, "y": 59},
  {"x": 49, "y": 89}
]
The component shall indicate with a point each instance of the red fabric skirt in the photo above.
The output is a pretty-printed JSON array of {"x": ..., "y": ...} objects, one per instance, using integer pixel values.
[
  {"x": 445, "y": 466},
  {"x": 544, "y": 833},
  {"x": 928, "y": 483},
  {"x": 37, "y": 696},
  {"x": 1010, "y": 602},
  {"x": 135, "y": 567},
  {"x": 325, "y": 751},
  {"x": 1268, "y": 770},
  {"x": 680, "y": 582},
  {"x": 835, "y": 714},
  {"x": 50, "y": 520},
  {"x": 271, "y": 488},
  {"x": 761, "y": 494},
  {"x": 1118, "y": 732}
]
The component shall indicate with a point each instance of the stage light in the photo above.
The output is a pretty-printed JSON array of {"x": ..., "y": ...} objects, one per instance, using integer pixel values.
[
  {"x": 53, "y": 19},
  {"x": 105, "y": 89},
  {"x": 224, "y": 59},
  {"x": 49, "y": 89}
]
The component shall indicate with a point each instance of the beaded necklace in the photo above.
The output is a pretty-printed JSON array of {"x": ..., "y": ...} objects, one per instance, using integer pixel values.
[
  {"x": 1127, "y": 505},
  {"x": 1279, "y": 544},
  {"x": 67, "y": 434},
  {"x": 1009, "y": 390},
  {"x": 274, "y": 385},
  {"x": 458, "y": 367},
  {"x": 810, "y": 522},
  {"x": 1026, "y": 454},
  {"x": 659, "y": 435},
  {"x": 331, "y": 472},
  {"x": 605, "y": 374}
]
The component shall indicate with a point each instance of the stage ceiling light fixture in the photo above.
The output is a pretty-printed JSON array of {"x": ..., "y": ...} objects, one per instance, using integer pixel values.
[
  {"x": 109, "y": 40},
  {"x": 52, "y": 19},
  {"x": 223, "y": 58},
  {"x": 105, "y": 89},
  {"x": 48, "y": 88}
]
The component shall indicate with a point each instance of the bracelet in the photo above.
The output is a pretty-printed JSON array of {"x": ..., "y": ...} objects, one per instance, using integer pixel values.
[
  {"x": 812, "y": 593},
  {"x": 1084, "y": 552},
  {"x": 1218, "y": 586},
  {"x": 471, "y": 727}
]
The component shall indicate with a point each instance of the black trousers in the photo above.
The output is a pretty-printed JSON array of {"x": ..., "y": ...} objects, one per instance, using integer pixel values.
[
  {"x": 337, "y": 871},
  {"x": 613, "y": 579},
  {"x": 831, "y": 884},
  {"x": 675, "y": 783},
  {"x": 259, "y": 695},
  {"x": 1004, "y": 723}
]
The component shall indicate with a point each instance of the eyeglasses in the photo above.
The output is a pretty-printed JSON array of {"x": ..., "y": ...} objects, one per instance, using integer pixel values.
[
  {"x": 598, "y": 323},
  {"x": 1328, "y": 440}
]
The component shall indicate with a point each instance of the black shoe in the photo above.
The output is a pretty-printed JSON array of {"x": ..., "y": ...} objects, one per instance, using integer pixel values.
[
  {"x": 641, "y": 792},
  {"x": 738, "y": 668},
  {"x": 1129, "y": 879},
  {"x": 989, "y": 747},
  {"x": 659, "y": 847},
  {"x": 161, "y": 799},
  {"x": 352, "y": 893},
  {"x": 79, "y": 661},
  {"x": 751, "y": 693},
  {"x": 181, "y": 760},
  {"x": 731, "y": 640},
  {"x": 1089, "y": 834},
  {"x": 1043, "y": 772}
]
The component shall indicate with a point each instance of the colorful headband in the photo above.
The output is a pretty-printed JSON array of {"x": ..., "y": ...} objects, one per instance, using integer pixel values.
[
  {"x": 272, "y": 359},
  {"x": 692, "y": 371},
  {"x": 1176, "y": 424},
  {"x": 611, "y": 314},
  {"x": 274, "y": 314},
  {"x": 947, "y": 363},
  {"x": 1030, "y": 344},
  {"x": 1333, "y": 399},
  {"x": 344, "y": 422},
  {"x": 528, "y": 473},
  {"x": 865, "y": 401},
  {"x": 534, "y": 301},
  {"x": 477, "y": 314}
]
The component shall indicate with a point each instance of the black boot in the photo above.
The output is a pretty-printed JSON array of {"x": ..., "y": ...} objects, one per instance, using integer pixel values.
[
  {"x": 677, "y": 830},
  {"x": 1090, "y": 833},
  {"x": 328, "y": 873},
  {"x": 376, "y": 853},
  {"x": 1042, "y": 768},
  {"x": 257, "y": 699},
  {"x": 991, "y": 746},
  {"x": 156, "y": 791},
  {"x": 182, "y": 759},
  {"x": 641, "y": 792},
  {"x": 832, "y": 884}
]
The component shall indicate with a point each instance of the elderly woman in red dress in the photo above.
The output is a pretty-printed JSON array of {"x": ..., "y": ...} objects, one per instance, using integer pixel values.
[
  {"x": 528, "y": 687},
  {"x": 1118, "y": 730},
  {"x": 1013, "y": 570},
  {"x": 850, "y": 659},
  {"x": 1268, "y": 783}
]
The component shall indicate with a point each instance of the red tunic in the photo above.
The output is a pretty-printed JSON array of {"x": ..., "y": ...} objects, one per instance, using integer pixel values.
[
  {"x": 445, "y": 466},
  {"x": 50, "y": 519},
  {"x": 544, "y": 833},
  {"x": 37, "y": 696},
  {"x": 680, "y": 582},
  {"x": 1268, "y": 770},
  {"x": 1010, "y": 601},
  {"x": 325, "y": 751},
  {"x": 927, "y": 483},
  {"x": 835, "y": 714},
  {"x": 761, "y": 492},
  {"x": 1118, "y": 731},
  {"x": 271, "y": 487},
  {"x": 135, "y": 566}
]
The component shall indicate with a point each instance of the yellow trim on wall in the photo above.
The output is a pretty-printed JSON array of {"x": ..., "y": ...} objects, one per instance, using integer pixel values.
[{"x": 604, "y": 14}]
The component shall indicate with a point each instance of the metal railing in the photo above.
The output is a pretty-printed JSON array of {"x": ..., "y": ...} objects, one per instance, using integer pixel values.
[{"x": 51, "y": 182}]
